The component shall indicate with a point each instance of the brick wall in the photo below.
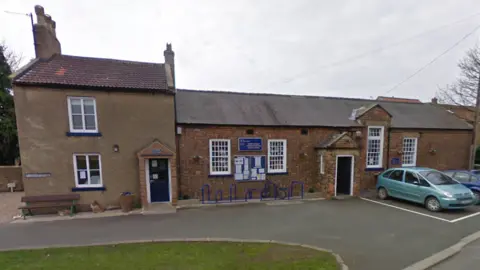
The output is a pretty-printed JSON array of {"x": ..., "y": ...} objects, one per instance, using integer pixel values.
[
  {"x": 11, "y": 174},
  {"x": 303, "y": 159},
  {"x": 302, "y": 164},
  {"x": 451, "y": 148}
]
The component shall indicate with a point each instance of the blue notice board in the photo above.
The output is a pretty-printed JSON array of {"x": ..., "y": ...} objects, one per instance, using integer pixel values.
[{"x": 249, "y": 144}]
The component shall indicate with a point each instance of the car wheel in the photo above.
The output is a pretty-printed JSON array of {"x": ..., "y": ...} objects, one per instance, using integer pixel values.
[
  {"x": 432, "y": 204},
  {"x": 382, "y": 193}
]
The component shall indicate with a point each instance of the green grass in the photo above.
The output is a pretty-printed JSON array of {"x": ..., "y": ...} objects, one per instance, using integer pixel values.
[{"x": 171, "y": 256}]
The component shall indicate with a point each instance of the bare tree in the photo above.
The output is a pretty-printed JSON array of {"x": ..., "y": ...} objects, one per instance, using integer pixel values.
[
  {"x": 463, "y": 91},
  {"x": 13, "y": 58}
]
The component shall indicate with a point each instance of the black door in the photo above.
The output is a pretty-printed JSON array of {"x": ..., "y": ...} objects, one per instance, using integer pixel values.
[
  {"x": 158, "y": 176},
  {"x": 344, "y": 175}
]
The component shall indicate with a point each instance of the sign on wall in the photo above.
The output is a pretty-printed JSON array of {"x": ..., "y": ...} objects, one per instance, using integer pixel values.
[
  {"x": 249, "y": 144},
  {"x": 250, "y": 168},
  {"x": 37, "y": 175},
  {"x": 395, "y": 161}
]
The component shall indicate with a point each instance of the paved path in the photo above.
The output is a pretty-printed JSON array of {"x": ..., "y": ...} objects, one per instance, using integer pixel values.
[
  {"x": 467, "y": 259},
  {"x": 368, "y": 236},
  {"x": 9, "y": 203}
]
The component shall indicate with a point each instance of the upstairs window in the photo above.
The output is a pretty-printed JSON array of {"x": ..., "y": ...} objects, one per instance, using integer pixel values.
[
  {"x": 82, "y": 114},
  {"x": 220, "y": 157},
  {"x": 375, "y": 147},
  {"x": 277, "y": 156}
]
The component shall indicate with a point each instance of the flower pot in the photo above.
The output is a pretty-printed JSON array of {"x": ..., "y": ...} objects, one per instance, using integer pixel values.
[{"x": 126, "y": 202}]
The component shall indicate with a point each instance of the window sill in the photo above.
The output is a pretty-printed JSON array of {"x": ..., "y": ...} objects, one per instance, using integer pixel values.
[
  {"x": 277, "y": 173},
  {"x": 84, "y": 134},
  {"x": 374, "y": 169},
  {"x": 219, "y": 175},
  {"x": 80, "y": 189}
]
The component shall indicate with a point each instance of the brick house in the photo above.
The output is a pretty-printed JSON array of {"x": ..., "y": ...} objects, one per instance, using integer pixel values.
[
  {"x": 323, "y": 141},
  {"x": 102, "y": 126}
]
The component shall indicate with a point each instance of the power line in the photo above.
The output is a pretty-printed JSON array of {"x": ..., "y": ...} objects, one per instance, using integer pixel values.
[
  {"x": 434, "y": 59},
  {"x": 367, "y": 53}
]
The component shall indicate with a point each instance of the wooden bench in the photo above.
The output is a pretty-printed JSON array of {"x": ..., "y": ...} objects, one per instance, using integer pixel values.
[{"x": 49, "y": 201}]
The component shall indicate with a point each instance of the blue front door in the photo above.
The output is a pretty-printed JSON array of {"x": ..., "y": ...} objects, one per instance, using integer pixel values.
[{"x": 159, "y": 180}]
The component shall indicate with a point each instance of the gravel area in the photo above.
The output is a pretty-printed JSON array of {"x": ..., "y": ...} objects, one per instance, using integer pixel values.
[{"x": 9, "y": 203}]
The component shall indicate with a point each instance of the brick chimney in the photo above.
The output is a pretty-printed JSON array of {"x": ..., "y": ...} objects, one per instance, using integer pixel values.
[
  {"x": 170, "y": 60},
  {"x": 46, "y": 42}
]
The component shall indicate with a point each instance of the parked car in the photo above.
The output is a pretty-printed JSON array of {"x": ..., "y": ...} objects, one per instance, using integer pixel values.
[
  {"x": 432, "y": 188},
  {"x": 470, "y": 179}
]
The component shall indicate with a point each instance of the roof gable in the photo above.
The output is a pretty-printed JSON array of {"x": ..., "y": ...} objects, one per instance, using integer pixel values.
[
  {"x": 94, "y": 73},
  {"x": 338, "y": 141}
]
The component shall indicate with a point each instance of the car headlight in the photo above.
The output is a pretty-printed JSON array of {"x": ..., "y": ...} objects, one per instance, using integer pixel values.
[{"x": 447, "y": 194}]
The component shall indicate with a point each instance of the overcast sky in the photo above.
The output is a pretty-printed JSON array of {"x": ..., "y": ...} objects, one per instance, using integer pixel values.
[{"x": 289, "y": 47}]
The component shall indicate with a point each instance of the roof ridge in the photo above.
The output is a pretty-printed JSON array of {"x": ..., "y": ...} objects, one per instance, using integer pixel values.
[
  {"x": 107, "y": 59},
  {"x": 293, "y": 95}
]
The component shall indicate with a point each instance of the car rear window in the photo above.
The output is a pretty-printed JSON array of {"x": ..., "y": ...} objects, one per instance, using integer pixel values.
[{"x": 438, "y": 178}]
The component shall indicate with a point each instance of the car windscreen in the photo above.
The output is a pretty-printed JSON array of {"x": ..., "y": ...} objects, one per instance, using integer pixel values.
[{"x": 438, "y": 178}]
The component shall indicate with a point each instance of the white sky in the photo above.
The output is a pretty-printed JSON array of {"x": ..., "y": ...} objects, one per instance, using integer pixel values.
[{"x": 274, "y": 46}]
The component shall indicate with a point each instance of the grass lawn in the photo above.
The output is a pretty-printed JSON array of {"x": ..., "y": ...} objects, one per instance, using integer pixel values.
[{"x": 175, "y": 255}]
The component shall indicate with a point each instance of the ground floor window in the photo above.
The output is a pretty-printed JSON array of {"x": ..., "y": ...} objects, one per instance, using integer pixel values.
[
  {"x": 409, "y": 157},
  {"x": 277, "y": 156},
  {"x": 88, "y": 168},
  {"x": 220, "y": 157}
]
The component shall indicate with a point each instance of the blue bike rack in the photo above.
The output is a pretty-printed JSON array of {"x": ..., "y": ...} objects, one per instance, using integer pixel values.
[
  {"x": 203, "y": 193},
  {"x": 219, "y": 191},
  {"x": 266, "y": 187},
  {"x": 292, "y": 185},
  {"x": 234, "y": 187}
]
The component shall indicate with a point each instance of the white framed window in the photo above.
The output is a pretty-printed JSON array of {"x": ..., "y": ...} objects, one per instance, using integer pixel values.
[
  {"x": 409, "y": 157},
  {"x": 322, "y": 165},
  {"x": 82, "y": 114},
  {"x": 220, "y": 157},
  {"x": 375, "y": 147},
  {"x": 88, "y": 170},
  {"x": 277, "y": 156}
]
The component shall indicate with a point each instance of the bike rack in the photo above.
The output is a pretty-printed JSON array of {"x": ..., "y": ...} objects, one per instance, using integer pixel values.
[
  {"x": 249, "y": 191},
  {"x": 203, "y": 193},
  {"x": 234, "y": 187},
  {"x": 267, "y": 186},
  {"x": 292, "y": 185},
  {"x": 216, "y": 195}
]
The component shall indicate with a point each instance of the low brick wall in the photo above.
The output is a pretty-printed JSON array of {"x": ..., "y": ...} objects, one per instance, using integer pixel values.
[{"x": 11, "y": 174}]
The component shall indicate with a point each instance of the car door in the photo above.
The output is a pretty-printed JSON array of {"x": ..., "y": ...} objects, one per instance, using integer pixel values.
[
  {"x": 413, "y": 187},
  {"x": 395, "y": 183}
]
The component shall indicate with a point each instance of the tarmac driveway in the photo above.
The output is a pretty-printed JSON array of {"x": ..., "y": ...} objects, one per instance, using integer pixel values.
[{"x": 367, "y": 235}]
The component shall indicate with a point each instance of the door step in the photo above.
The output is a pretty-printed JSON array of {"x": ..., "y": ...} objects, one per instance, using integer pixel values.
[
  {"x": 159, "y": 208},
  {"x": 342, "y": 197}
]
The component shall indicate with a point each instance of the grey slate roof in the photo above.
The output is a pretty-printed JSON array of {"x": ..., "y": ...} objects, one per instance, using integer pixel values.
[{"x": 230, "y": 108}]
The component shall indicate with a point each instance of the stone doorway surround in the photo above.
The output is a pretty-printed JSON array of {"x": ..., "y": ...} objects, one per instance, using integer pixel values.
[
  {"x": 157, "y": 149},
  {"x": 339, "y": 144}
]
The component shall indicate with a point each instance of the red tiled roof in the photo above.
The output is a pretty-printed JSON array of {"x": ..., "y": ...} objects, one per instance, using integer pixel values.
[
  {"x": 95, "y": 73},
  {"x": 395, "y": 99}
]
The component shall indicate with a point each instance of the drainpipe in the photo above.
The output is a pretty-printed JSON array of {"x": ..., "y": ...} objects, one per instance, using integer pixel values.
[{"x": 388, "y": 148}]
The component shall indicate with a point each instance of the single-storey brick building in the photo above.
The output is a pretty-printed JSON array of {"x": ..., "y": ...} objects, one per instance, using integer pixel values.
[{"x": 102, "y": 126}]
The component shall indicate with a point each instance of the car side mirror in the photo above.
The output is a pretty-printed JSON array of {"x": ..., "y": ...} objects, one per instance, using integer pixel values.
[{"x": 416, "y": 182}]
